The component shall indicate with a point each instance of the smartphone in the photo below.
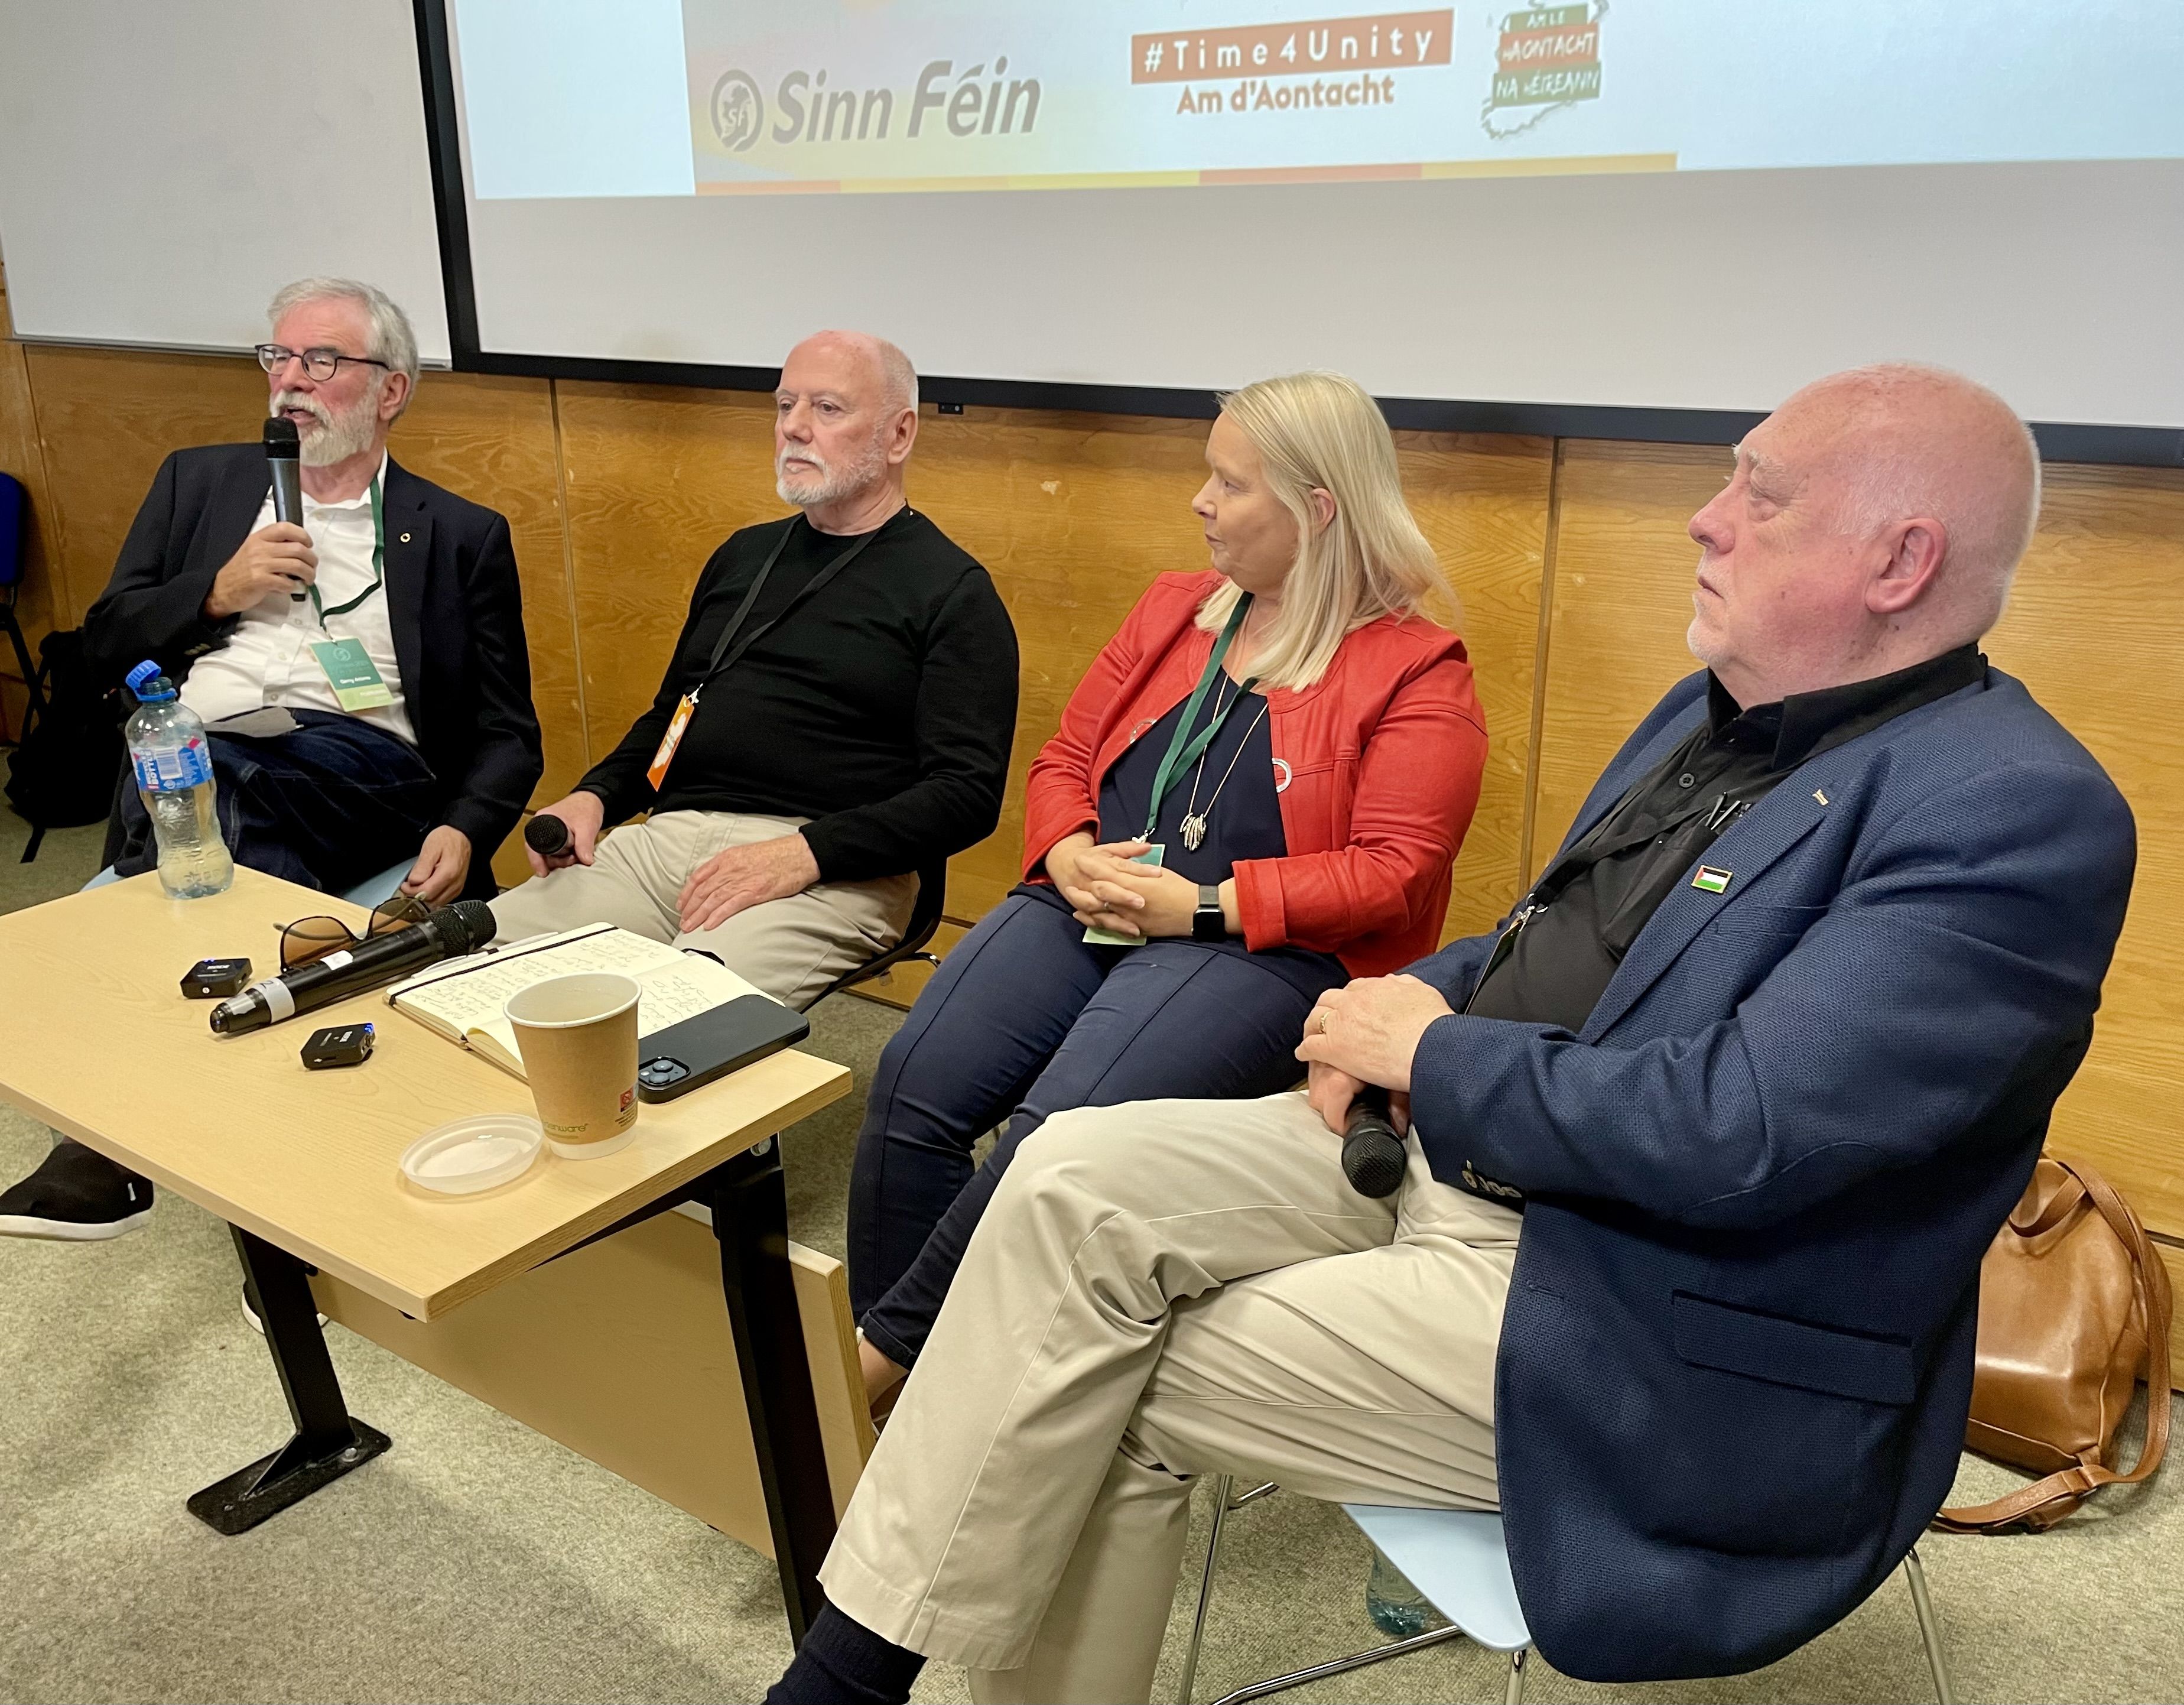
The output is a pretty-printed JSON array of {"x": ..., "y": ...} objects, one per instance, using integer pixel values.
[{"x": 688, "y": 1056}]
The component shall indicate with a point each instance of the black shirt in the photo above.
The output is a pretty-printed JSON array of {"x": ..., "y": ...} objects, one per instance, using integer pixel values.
[
  {"x": 1243, "y": 818},
  {"x": 1558, "y": 956},
  {"x": 882, "y": 707}
]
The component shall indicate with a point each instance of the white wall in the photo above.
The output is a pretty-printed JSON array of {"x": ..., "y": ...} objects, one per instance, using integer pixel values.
[{"x": 166, "y": 166}]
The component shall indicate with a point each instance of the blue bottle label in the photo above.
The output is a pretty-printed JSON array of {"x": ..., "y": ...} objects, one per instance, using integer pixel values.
[{"x": 175, "y": 770}]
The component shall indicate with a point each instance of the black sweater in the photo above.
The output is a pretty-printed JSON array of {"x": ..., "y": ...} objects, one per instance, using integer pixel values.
[{"x": 881, "y": 708}]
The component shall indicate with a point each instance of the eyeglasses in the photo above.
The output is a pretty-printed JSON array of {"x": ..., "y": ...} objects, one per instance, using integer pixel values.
[
  {"x": 309, "y": 939},
  {"x": 320, "y": 364}
]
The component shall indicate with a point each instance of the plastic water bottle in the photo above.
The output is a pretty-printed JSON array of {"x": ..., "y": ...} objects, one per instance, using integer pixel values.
[
  {"x": 1397, "y": 1608},
  {"x": 173, "y": 763}
]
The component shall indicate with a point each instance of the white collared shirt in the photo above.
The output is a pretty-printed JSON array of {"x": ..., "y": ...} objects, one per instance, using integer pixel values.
[{"x": 268, "y": 658}]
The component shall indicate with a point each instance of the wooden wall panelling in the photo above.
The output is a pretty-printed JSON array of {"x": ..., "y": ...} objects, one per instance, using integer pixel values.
[
  {"x": 655, "y": 478},
  {"x": 492, "y": 440},
  {"x": 39, "y": 606},
  {"x": 2095, "y": 629},
  {"x": 1482, "y": 502},
  {"x": 107, "y": 418},
  {"x": 1623, "y": 568}
]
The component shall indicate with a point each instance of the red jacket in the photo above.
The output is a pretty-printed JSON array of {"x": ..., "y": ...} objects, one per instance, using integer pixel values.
[{"x": 1382, "y": 756}]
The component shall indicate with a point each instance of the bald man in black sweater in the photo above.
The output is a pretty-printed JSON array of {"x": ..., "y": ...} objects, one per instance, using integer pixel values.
[{"x": 837, "y": 715}]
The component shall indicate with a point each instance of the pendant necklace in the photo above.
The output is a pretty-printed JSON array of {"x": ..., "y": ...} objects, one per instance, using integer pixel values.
[{"x": 1194, "y": 820}]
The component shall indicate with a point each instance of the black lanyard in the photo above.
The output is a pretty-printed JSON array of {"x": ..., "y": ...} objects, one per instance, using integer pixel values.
[
  {"x": 726, "y": 651},
  {"x": 1182, "y": 751}
]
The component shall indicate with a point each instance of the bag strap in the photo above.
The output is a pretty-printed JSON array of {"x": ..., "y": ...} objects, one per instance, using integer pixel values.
[{"x": 2047, "y": 1502}]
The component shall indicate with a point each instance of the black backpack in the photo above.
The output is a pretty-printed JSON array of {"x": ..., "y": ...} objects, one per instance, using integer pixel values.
[{"x": 63, "y": 774}]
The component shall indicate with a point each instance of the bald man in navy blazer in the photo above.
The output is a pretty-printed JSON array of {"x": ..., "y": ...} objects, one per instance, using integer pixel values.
[{"x": 1707, "y": 1143}]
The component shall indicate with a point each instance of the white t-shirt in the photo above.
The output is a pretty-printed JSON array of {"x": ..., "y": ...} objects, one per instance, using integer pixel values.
[{"x": 268, "y": 658}]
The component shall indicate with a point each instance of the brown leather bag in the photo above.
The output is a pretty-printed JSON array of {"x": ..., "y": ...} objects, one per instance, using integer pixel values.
[{"x": 2074, "y": 1306}]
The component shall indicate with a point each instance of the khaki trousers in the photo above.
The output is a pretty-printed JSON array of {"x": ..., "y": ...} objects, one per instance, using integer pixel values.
[
  {"x": 1159, "y": 1290},
  {"x": 790, "y": 948}
]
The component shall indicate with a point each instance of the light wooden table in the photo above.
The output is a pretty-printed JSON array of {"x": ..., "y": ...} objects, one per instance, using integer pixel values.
[{"x": 102, "y": 1045}]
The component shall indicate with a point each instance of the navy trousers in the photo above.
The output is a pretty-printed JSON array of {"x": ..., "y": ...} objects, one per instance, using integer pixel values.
[
  {"x": 1021, "y": 1021},
  {"x": 333, "y": 801}
]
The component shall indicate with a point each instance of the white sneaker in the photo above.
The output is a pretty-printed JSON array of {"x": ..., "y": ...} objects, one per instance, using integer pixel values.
[{"x": 251, "y": 1314}]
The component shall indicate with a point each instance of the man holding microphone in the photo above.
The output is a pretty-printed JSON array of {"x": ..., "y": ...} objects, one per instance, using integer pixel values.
[{"x": 363, "y": 676}]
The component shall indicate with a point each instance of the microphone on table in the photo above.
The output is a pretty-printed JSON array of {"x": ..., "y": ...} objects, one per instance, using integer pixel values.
[
  {"x": 1373, "y": 1158},
  {"x": 448, "y": 933},
  {"x": 284, "y": 458},
  {"x": 548, "y": 837}
]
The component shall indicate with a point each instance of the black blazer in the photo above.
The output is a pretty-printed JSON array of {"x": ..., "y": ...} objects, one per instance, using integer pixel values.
[{"x": 453, "y": 601}]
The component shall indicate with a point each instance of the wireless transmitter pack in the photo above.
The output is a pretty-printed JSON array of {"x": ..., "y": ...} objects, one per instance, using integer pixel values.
[
  {"x": 214, "y": 979},
  {"x": 339, "y": 1044}
]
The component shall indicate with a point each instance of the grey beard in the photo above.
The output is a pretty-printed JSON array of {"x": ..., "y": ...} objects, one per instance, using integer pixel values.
[
  {"x": 339, "y": 437},
  {"x": 835, "y": 483}
]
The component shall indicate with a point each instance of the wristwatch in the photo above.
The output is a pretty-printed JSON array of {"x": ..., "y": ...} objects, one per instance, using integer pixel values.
[{"x": 1207, "y": 923}]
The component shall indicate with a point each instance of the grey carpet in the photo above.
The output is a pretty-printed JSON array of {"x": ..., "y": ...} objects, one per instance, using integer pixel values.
[{"x": 478, "y": 1561}]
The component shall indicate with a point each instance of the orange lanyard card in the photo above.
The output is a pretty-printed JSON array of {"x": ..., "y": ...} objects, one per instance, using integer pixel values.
[{"x": 670, "y": 740}]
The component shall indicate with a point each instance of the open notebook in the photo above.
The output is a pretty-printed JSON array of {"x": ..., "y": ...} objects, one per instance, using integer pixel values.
[{"x": 462, "y": 998}]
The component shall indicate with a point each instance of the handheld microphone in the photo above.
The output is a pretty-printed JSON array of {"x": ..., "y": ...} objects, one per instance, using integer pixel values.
[
  {"x": 1373, "y": 1158},
  {"x": 284, "y": 454},
  {"x": 460, "y": 928},
  {"x": 548, "y": 837}
]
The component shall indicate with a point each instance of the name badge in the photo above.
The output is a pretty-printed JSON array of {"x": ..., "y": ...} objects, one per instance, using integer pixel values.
[
  {"x": 352, "y": 674},
  {"x": 669, "y": 741},
  {"x": 1156, "y": 856}
]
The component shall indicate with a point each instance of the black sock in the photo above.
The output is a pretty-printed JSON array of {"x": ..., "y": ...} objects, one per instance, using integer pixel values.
[{"x": 843, "y": 1663}]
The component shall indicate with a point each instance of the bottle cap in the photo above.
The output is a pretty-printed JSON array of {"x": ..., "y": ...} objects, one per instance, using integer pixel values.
[{"x": 159, "y": 688}]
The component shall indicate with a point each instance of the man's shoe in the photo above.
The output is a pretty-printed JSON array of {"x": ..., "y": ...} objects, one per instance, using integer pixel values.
[{"x": 76, "y": 1196}]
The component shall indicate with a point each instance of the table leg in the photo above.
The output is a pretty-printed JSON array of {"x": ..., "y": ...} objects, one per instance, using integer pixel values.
[
  {"x": 329, "y": 1441},
  {"x": 750, "y": 1218}
]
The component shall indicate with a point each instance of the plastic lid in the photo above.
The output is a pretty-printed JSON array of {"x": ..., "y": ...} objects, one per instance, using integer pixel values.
[
  {"x": 474, "y": 1153},
  {"x": 160, "y": 689}
]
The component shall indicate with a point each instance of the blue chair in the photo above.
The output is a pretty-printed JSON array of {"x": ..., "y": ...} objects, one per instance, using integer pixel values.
[
  {"x": 366, "y": 894},
  {"x": 1457, "y": 1560}
]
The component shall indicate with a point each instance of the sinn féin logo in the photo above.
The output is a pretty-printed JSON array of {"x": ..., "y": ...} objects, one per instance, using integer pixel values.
[{"x": 738, "y": 111}]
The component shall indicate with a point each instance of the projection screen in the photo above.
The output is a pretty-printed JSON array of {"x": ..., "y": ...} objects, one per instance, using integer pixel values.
[{"x": 1640, "y": 206}]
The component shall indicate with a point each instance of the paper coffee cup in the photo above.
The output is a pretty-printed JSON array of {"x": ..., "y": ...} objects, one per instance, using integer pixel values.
[{"x": 578, "y": 1039}]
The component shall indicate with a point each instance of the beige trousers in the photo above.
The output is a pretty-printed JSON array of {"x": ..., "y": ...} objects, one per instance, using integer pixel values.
[
  {"x": 790, "y": 948},
  {"x": 1160, "y": 1290}
]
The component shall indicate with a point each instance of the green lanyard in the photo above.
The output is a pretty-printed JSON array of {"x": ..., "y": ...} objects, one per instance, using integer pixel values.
[
  {"x": 378, "y": 564},
  {"x": 1182, "y": 755}
]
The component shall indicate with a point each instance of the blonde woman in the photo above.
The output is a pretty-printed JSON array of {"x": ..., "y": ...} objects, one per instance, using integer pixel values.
[{"x": 1256, "y": 794}]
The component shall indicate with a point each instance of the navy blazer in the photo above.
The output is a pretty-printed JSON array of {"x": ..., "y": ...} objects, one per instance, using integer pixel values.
[
  {"x": 1736, "y": 1360},
  {"x": 453, "y": 601}
]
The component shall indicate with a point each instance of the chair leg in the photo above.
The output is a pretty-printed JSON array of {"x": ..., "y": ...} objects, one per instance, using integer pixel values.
[
  {"x": 1930, "y": 1631},
  {"x": 1513, "y": 1694},
  {"x": 1222, "y": 1487}
]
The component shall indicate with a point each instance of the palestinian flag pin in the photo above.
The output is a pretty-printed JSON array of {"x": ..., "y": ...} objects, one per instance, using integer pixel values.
[{"x": 1712, "y": 880}]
